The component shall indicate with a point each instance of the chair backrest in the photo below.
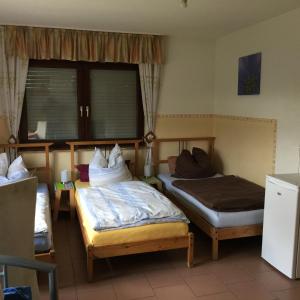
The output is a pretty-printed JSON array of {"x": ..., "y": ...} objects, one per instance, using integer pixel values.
[
  {"x": 17, "y": 213},
  {"x": 41, "y": 129}
]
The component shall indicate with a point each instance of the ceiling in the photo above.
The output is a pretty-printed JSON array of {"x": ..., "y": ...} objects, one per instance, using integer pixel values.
[{"x": 202, "y": 18}]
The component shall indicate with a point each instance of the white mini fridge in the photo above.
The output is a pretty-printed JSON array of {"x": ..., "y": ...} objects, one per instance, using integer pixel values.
[{"x": 280, "y": 243}]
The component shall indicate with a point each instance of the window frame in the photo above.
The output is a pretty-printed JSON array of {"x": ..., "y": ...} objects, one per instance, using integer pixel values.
[{"x": 83, "y": 99}]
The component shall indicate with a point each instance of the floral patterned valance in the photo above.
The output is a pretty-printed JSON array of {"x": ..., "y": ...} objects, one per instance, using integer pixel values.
[{"x": 81, "y": 45}]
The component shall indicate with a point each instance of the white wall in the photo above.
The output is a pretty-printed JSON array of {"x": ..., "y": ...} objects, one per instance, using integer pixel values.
[
  {"x": 279, "y": 41},
  {"x": 187, "y": 77}
]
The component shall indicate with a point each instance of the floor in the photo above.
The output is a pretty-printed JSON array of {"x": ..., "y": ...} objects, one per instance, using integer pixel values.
[{"x": 240, "y": 273}]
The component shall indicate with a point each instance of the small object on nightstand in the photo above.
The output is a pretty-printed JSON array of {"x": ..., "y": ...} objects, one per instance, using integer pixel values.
[
  {"x": 153, "y": 181},
  {"x": 64, "y": 176},
  {"x": 59, "y": 188}
]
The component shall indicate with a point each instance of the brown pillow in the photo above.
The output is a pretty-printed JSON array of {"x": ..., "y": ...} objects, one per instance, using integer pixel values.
[
  {"x": 188, "y": 167},
  {"x": 172, "y": 164},
  {"x": 203, "y": 160}
]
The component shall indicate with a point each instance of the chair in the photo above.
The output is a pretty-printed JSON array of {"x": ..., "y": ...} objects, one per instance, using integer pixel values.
[
  {"x": 30, "y": 264},
  {"x": 40, "y": 133},
  {"x": 17, "y": 214}
]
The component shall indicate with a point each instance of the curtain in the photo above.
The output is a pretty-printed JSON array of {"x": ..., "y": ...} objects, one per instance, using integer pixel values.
[
  {"x": 3, "y": 73},
  {"x": 82, "y": 45},
  {"x": 149, "y": 77},
  {"x": 13, "y": 72},
  {"x": 18, "y": 44}
]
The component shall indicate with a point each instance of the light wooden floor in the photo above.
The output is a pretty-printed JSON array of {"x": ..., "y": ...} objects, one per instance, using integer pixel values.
[{"x": 239, "y": 274}]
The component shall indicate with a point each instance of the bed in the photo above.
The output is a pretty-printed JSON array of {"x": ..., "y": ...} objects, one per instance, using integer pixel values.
[
  {"x": 43, "y": 239},
  {"x": 217, "y": 225},
  {"x": 125, "y": 241}
]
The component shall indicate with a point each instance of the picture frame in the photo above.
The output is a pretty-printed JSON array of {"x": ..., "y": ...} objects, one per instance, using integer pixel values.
[{"x": 249, "y": 74}]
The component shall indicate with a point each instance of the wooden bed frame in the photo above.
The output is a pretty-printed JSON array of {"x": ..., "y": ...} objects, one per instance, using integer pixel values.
[
  {"x": 217, "y": 234},
  {"x": 94, "y": 252},
  {"x": 48, "y": 256}
]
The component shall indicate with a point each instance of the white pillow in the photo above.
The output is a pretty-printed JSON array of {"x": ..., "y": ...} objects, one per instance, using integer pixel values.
[
  {"x": 98, "y": 160},
  {"x": 115, "y": 157},
  {"x": 106, "y": 176},
  {"x": 117, "y": 170},
  {"x": 17, "y": 170},
  {"x": 3, "y": 164}
]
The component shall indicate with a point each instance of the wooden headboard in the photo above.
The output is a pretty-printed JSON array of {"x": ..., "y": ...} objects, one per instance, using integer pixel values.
[
  {"x": 85, "y": 144},
  {"x": 182, "y": 144},
  {"x": 8, "y": 148}
]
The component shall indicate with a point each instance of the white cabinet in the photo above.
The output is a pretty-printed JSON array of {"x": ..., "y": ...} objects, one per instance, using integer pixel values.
[{"x": 280, "y": 246}]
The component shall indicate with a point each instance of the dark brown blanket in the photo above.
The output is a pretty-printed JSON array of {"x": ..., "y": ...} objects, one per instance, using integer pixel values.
[{"x": 227, "y": 193}]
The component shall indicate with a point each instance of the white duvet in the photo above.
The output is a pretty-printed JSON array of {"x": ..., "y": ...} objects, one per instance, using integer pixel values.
[
  {"x": 41, "y": 209},
  {"x": 127, "y": 204}
]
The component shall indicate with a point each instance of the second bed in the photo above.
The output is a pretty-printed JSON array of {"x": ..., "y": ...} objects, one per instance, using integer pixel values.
[{"x": 219, "y": 225}]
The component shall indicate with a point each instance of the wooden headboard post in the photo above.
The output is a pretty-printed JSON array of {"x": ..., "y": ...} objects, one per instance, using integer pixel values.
[
  {"x": 46, "y": 148},
  {"x": 72, "y": 161},
  {"x": 72, "y": 145},
  {"x": 182, "y": 142},
  {"x": 47, "y": 159}
]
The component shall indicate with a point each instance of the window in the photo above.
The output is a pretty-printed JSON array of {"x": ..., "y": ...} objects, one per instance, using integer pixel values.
[{"x": 78, "y": 100}]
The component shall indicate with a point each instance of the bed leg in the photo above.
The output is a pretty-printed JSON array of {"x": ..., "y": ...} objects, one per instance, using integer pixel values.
[
  {"x": 52, "y": 256},
  {"x": 190, "y": 252},
  {"x": 215, "y": 248},
  {"x": 90, "y": 265}
]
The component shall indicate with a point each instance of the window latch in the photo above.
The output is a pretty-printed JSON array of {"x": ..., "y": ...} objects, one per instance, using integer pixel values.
[
  {"x": 81, "y": 111},
  {"x": 87, "y": 111}
]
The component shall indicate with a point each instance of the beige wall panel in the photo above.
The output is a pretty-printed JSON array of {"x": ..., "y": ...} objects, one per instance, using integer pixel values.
[
  {"x": 245, "y": 147},
  {"x": 169, "y": 126}
]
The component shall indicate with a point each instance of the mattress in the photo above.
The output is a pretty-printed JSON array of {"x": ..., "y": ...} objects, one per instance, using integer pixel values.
[
  {"x": 43, "y": 239},
  {"x": 215, "y": 218},
  {"x": 127, "y": 235}
]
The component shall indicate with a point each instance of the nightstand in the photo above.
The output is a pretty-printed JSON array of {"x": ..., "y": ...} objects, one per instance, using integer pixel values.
[
  {"x": 153, "y": 181},
  {"x": 59, "y": 204}
]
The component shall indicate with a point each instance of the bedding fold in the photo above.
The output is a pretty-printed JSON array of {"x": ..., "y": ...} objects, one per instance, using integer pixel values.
[
  {"x": 127, "y": 204},
  {"x": 41, "y": 208},
  {"x": 42, "y": 224}
]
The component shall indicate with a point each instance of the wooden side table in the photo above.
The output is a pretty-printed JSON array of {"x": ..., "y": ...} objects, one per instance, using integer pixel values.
[
  {"x": 153, "y": 181},
  {"x": 59, "y": 188}
]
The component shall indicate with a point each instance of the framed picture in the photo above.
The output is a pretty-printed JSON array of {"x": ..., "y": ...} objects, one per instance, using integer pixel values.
[{"x": 249, "y": 74}]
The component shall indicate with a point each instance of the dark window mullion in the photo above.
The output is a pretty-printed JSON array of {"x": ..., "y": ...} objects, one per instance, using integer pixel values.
[
  {"x": 139, "y": 107},
  {"x": 23, "y": 130},
  {"x": 87, "y": 94},
  {"x": 81, "y": 104}
]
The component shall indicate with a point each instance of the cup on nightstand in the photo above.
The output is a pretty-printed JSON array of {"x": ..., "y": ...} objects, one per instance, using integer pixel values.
[{"x": 64, "y": 176}]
